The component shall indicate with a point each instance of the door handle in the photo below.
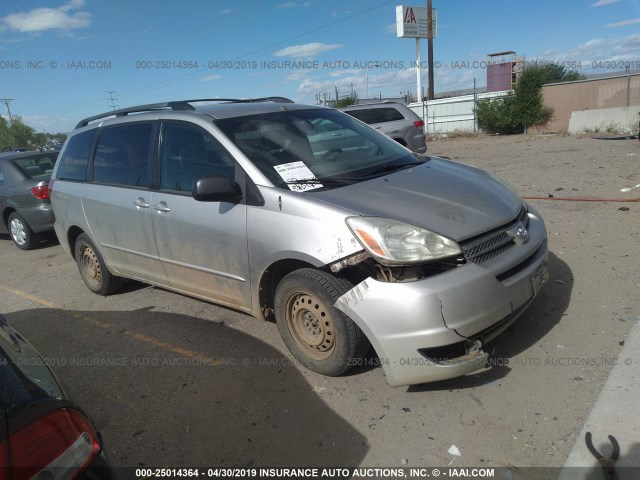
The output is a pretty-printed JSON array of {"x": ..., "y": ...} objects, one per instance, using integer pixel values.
[
  {"x": 161, "y": 207},
  {"x": 140, "y": 203}
]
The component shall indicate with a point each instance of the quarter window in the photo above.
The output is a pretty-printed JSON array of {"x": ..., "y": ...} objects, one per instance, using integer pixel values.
[
  {"x": 376, "y": 115},
  {"x": 364, "y": 115},
  {"x": 74, "y": 161},
  {"x": 122, "y": 155},
  {"x": 38, "y": 167},
  {"x": 387, "y": 115},
  {"x": 188, "y": 153}
]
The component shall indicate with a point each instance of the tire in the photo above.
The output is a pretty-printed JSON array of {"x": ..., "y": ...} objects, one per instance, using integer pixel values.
[
  {"x": 319, "y": 336},
  {"x": 92, "y": 269},
  {"x": 23, "y": 237}
]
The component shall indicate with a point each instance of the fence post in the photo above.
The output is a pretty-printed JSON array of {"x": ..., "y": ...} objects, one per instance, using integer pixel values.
[
  {"x": 628, "y": 86},
  {"x": 475, "y": 104},
  {"x": 425, "y": 117}
]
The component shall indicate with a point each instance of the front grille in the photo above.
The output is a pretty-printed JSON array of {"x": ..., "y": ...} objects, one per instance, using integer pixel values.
[{"x": 489, "y": 245}]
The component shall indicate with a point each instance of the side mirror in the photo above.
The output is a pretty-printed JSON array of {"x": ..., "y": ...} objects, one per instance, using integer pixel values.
[{"x": 216, "y": 188}]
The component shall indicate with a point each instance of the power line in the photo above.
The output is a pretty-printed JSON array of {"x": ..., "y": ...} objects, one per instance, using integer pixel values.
[
  {"x": 179, "y": 78},
  {"x": 112, "y": 99}
]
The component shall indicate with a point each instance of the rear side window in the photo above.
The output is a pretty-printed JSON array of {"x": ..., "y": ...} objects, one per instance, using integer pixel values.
[
  {"x": 365, "y": 115},
  {"x": 38, "y": 167},
  {"x": 187, "y": 153},
  {"x": 387, "y": 115},
  {"x": 122, "y": 155},
  {"x": 74, "y": 161}
]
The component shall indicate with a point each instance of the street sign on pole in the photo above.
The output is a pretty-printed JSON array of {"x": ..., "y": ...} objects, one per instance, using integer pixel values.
[{"x": 411, "y": 22}]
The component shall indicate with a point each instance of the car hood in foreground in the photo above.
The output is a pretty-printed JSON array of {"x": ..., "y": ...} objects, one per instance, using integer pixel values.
[
  {"x": 446, "y": 197},
  {"x": 24, "y": 377}
]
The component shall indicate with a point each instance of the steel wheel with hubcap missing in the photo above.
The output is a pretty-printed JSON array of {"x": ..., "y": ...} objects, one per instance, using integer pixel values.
[
  {"x": 310, "y": 325},
  {"x": 92, "y": 269},
  {"x": 319, "y": 335}
]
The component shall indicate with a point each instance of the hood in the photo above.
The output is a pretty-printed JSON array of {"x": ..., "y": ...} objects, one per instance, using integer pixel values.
[
  {"x": 446, "y": 197},
  {"x": 25, "y": 379}
]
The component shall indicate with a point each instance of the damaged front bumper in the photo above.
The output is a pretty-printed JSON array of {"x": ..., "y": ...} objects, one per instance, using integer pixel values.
[{"x": 433, "y": 329}]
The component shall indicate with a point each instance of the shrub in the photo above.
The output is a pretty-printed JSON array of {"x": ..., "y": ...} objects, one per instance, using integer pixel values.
[{"x": 524, "y": 107}]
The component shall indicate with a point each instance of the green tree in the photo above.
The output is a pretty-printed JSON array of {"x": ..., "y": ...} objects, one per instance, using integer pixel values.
[
  {"x": 551, "y": 73},
  {"x": 524, "y": 108},
  {"x": 497, "y": 114},
  {"x": 5, "y": 135},
  {"x": 346, "y": 100},
  {"x": 22, "y": 134},
  {"x": 19, "y": 135}
]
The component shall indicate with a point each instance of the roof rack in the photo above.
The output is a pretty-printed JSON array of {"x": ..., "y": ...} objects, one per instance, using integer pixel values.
[{"x": 180, "y": 105}]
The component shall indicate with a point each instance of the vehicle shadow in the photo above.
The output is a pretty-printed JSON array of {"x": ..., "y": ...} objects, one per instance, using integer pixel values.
[
  {"x": 167, "y": 389},
  {"x": 542, "y": 315},
  {"x": 48, "y": 240}
]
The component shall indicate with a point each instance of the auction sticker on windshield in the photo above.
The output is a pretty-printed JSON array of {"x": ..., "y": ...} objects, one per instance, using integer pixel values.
[{"x": 297, "y": 172}]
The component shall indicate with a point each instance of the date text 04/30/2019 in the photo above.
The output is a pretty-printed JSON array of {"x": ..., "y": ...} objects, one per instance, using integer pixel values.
[{"x": 329, "y": 473}]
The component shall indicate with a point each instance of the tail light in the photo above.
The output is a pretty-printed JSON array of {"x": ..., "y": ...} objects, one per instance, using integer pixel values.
[
  {"x": 60, "y": 444},
  {"x": 41, "y": 192},
  {"x": 419, "y": 123}
]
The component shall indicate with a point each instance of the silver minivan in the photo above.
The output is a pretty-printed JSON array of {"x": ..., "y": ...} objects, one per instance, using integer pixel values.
[{"x": 347, "y": 241}]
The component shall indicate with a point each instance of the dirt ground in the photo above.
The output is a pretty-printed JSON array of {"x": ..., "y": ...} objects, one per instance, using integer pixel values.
[{"x": 526, "y": 411}]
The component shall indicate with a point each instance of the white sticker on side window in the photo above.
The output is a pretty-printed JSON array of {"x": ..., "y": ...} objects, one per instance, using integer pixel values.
[{"x": 297, "y": 172}]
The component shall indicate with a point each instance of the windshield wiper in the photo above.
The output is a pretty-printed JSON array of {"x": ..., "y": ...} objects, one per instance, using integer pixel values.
[{"x": 390, "y": 167}]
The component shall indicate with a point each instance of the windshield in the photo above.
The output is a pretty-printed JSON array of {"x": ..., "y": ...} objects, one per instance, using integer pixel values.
[{"x": 315, "y": 149}]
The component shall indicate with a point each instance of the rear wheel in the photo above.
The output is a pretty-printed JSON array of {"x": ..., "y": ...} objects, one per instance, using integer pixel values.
[
  {"x": 21, "y": 233},
  {"x": 92, "y": 269},
  {"x": 319, "y": 335}
]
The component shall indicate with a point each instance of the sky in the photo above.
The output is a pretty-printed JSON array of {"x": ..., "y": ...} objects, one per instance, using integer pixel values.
[{"x": 64, "y": 60}]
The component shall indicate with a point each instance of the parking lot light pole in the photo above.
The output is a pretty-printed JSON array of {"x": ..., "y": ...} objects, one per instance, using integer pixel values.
[{"x": 430, "y": 95}]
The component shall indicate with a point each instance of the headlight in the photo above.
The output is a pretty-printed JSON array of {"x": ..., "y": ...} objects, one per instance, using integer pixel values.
[{"x": 394, "y": 242}]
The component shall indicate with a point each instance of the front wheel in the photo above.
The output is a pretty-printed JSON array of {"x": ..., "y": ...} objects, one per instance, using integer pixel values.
[
  {"x": 318, "y": 335},
  {"x": 92, "y": 269}
]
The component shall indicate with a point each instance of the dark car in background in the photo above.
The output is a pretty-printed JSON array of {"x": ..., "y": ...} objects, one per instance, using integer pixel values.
[
  {"x": 25, "y": 208},
  {"x": 43, "y": 433}
]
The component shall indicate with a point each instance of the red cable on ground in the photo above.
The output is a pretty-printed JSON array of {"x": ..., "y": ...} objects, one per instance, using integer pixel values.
[{"x": 567, "y": 199}]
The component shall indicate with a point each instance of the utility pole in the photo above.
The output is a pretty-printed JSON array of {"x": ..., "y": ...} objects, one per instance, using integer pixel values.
[
  {"x": 6, "y": 103},
  {"x": 430, "y": 49},
  {"x": 112, "y": 99}
]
